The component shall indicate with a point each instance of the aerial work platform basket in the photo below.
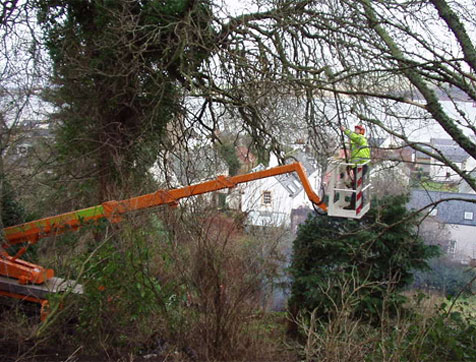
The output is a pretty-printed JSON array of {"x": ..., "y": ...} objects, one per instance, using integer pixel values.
[{"x": 345, "y": 182}]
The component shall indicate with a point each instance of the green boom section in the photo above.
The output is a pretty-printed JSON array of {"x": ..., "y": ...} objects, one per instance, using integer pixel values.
[{"x": 50, "y": 225}]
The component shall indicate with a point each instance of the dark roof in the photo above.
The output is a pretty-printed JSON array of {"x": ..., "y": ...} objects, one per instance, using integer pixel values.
[
  {"x": 450, "y": 149},
  {"x": 442, "y": 141},
  {"x": 449, "y": 212},
  {"x": 455, "y": 93},
  {"x": 419, "y": 154}
]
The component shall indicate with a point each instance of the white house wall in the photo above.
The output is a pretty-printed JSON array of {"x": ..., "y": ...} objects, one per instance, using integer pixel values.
[
  {"x": 259, "y": 213},
  {"x": 465, "y": 242},
  {"x": 278, "y": 213},
  {"x": 444, "y": 173}
]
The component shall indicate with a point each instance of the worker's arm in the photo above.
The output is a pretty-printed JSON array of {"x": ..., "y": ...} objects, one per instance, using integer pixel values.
[{"x": 355, "y": 137}]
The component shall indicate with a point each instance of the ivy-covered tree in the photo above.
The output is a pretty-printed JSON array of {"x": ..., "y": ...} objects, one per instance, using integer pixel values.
[
  {"x": 12, "y": 211},
  {"x": 120, "y": 69},
  {"x": 228, "y": 152},
  {"x": 378, "y": 254}
]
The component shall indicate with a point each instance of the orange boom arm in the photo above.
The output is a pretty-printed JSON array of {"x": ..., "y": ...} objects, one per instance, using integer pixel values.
[{"x": 31, "y": 232}]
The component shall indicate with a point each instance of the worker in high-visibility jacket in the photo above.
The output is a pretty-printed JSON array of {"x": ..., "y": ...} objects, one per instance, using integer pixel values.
[{"x": 359, "y": 153}]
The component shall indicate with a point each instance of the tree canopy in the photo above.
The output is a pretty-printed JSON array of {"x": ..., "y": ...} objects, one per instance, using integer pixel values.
[{"x": 134, "y": 79}]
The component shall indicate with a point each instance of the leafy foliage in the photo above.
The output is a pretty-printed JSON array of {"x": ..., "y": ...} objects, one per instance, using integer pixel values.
[
  {"x": 122, "y": 291},
  {"x": 450, "y": 338},
  {"x": 380, "y": 251},
  {"x": 445, "y": 335}
]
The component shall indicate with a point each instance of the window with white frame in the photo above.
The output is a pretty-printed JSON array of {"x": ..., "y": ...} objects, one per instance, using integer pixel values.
[
  {"x": 266, "y": 199},
  {"x": 468, "y": 215}
]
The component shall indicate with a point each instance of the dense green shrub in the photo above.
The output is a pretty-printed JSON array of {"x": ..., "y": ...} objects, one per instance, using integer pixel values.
[{"x": 378, "y": 252}]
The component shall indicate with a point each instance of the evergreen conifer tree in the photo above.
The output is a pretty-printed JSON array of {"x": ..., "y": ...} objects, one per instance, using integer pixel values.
[{"x": 381, "y": 251}]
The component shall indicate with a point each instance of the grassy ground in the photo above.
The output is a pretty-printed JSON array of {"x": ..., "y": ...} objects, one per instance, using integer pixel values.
[
  {"x": 467, "y": 306},
  {"x": 266, "y": 340},
  {"x": 432, "y": 302},
  {"x": 438, "y": 186}
]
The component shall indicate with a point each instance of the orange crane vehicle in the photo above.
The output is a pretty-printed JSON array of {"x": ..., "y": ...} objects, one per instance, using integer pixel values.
[{"x": 26, "y": 281}]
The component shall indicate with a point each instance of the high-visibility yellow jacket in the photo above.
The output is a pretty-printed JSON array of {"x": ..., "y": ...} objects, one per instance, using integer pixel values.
[{"x": 359, "y": 147}]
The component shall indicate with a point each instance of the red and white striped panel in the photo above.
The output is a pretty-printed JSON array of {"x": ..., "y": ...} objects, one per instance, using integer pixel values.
[{"x": 358, "y": 197}]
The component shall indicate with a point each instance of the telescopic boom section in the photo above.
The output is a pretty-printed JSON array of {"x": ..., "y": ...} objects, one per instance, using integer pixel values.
[
  {"x": 32, "y": 231},
  {"x": 112, "y": 210}
]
